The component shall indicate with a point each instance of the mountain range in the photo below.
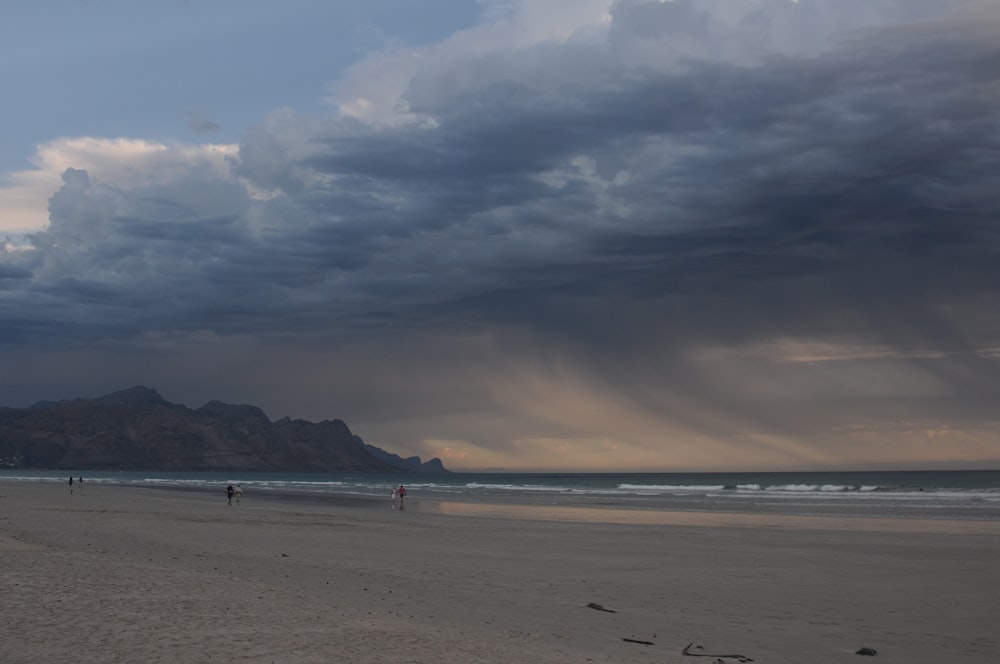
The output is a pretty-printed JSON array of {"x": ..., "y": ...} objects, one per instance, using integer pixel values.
[{"x": 137, "y": 429}]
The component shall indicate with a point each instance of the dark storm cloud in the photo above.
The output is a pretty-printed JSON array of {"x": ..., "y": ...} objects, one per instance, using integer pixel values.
[
  {"x": 806, "y": 179},
  {"x": 847, "y": 194}
]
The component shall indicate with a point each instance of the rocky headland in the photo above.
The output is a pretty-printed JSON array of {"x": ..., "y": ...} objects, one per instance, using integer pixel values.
[{"x": 137, "y": 429}]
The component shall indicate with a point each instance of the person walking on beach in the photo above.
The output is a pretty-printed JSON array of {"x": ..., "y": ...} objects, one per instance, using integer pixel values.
[
  {"x": 71, "y": 485},
  {"x": 402, "y": 494},
  {"x": 238, "y": 492},
  {"x": 395, "y": 494},
  {"x": 229, "y": 493}
]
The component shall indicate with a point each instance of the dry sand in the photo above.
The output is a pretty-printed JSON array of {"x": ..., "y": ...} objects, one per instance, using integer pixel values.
[{"x": 115, "y": 574}]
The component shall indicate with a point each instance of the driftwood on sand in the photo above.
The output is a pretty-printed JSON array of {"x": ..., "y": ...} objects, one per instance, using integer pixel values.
[
  {"x": 687, "y": 651},
  {"x": 598, "y": 607}
]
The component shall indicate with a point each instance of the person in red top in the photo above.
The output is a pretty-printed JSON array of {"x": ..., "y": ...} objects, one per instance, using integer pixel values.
[{"x": 402, "y": 494}]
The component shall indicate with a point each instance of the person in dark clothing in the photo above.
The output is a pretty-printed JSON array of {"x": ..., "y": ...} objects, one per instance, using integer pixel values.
[{"x": 229, "y": 493}]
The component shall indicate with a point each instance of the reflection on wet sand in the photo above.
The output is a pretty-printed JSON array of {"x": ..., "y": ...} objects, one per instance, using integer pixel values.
[{"x": 716, "y": 519}]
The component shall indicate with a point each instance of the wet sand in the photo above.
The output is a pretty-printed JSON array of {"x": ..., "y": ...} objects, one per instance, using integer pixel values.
[{"x": 116, "y": 574}]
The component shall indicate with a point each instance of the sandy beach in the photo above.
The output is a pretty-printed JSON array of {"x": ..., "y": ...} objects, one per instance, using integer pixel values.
[{"x": 117, "y": 574}]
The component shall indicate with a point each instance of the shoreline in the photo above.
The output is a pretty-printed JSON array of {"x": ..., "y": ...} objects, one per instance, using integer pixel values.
[
  {"x": 961, "y": 497},
  {"x": 642, "y": 512}
]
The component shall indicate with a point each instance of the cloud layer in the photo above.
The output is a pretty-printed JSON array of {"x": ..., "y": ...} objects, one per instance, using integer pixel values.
[{"x": 639, "y": 234}]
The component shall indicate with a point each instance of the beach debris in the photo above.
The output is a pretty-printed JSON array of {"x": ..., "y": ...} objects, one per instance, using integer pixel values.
[
  {"x": 645, "y": 643},
  {"x": 867, "y": 651},
  {"x": 719, "y": 658},
  {"x": 598, "y": 607}
]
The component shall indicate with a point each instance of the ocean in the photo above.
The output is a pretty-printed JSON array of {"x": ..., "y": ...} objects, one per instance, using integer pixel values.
[{"x": 951, "y": 494}]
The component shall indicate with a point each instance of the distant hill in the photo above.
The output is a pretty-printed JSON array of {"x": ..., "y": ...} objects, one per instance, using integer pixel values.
[{"x": 136, "y": 429}]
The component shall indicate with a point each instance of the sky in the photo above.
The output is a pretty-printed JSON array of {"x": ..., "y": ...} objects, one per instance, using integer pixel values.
[{"x": 517, "y": 234}]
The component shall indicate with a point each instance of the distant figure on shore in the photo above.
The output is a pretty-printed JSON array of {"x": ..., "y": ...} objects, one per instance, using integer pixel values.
[
  {"x": 80, "y": 482},
  {"x": 71, "y": 485},
  {"x": 229, "y": 493},
  {"x": 395, "y": 495},
  {"x": 238, "y": 492},
  {"x": 402, "y": 494}
]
